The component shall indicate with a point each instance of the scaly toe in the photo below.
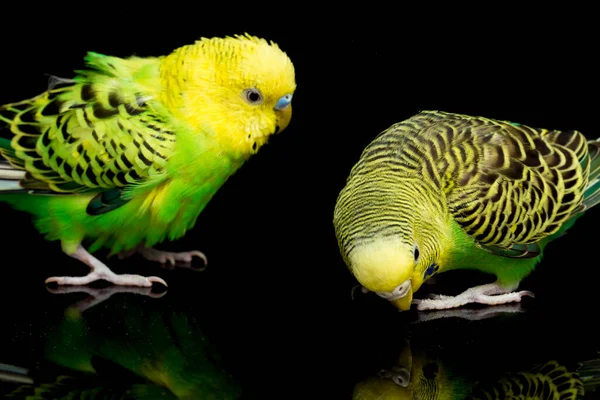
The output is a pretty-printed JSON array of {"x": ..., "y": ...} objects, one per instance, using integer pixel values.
[
  {"x": 434, "y": 296},
  {"x": 363, "y": 289},
  {"x": 156, "y": 279},
  {"x": 186, "y": 260},
  {"x": 200, "y": 255},
  {"x": 527, "y": 293},
  {"x": 73, "y": 280}
]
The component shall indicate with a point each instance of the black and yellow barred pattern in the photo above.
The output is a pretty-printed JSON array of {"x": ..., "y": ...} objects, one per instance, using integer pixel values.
[
  {"x": 505, "y": 184},
  {"x": 92, "y": 133},
  {"x": 550, "y": 381}
]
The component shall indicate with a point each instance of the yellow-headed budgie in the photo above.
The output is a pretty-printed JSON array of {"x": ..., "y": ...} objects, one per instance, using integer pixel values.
[{"x": 128, "y": 153}]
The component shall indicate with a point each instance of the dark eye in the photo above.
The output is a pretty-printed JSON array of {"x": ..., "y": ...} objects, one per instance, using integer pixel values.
[
  {"x": 432, "y": 269},
  {"x": 416, "y": 253},
  {"x": 253, "y": 96}
]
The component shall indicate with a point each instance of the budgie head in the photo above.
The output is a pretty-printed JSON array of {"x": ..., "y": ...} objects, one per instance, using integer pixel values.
[
  {"x": 395, "y": 382},
  {"x": 414, "y": 376},
  {"x": 393, "y": 237},
  {"x": 237, "y": 88}
]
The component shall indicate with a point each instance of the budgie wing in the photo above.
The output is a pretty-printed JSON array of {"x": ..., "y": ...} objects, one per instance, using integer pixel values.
[
  {"x": 548, "y": 381},
  {"x": 507, "y": 185},
  {"x": 96, "y": 133}
]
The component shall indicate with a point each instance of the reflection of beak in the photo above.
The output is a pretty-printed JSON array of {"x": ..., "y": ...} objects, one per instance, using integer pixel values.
[
  {"x": 284, "y": 117},
  {"x": 404, "y": 303},
  {"x": 405, "y": 358}
]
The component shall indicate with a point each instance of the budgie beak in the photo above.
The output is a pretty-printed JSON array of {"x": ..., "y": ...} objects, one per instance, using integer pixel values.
[
  {"x": 404, "y": 303},
  {"x": 283, "y": 118},
  {"x": 283, "y": 109}
]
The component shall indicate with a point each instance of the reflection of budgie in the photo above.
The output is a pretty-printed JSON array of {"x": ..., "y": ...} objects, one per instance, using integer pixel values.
[
  {"x": 147, "y": 355},
  {"x": 418, "y": 376},
  {"x": 443, "y": 191},
  {"x": 413, "y": 376},
  {"x": 129, "y": 152}
]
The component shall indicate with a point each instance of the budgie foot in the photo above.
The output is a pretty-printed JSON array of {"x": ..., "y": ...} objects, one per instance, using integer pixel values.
[
  {"x": 102, "y": 272},
  {"x": 167, "y": 258},
  {"x": 364, "y": 290},
  {"x": 490, "y": 294}
]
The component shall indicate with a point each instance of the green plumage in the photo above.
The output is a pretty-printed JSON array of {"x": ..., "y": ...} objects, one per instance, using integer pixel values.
[
  {"x": 103, "y": 137},
  {"x": 129, "y": 152},
  {"x": 456, "y": 191},
  {"x": 95, "y": 132},
  {"x": 145, "y": 354}
]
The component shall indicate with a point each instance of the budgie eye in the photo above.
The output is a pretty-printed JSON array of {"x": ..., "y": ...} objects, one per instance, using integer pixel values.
[
  {"x": 283, "y": 102},
  {"x": 253, "y": 96},
  {"x": 416, "y": 252},
  {"x": 432, "y": 269}
]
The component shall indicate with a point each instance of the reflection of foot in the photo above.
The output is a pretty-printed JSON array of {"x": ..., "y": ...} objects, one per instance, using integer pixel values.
[
  {"x": 490, "y": 294},
  {"x": 98, "y": 295},
  {"x": 101, "y": 272},
  {"x": 14, "y": 374},
  {"x": 180, "y": 259},
  {"x": 471, "y": 314}
]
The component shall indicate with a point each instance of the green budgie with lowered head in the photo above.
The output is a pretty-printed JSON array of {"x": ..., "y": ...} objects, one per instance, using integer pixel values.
[
  {"x": 129, "y": 152},
  {"x": 443, "y": 191}
]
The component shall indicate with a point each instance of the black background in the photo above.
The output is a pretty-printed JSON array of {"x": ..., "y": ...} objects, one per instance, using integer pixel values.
[{"x": 276, "y": 292}]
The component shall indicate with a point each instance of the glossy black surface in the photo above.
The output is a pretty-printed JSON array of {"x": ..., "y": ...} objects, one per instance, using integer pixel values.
[{"x": 272, "y": 316}]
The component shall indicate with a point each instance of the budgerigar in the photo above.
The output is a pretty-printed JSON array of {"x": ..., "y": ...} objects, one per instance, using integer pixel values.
[
  {"x": 418, "y": 375},
  {"x": 129, "y": 152},
  {"x": 442, "y": 191}
]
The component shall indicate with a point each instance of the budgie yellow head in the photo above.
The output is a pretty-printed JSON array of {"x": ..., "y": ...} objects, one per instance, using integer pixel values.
[
  {"x": 238, "y": 89},
  {"x": 412, "y": 377},
  {"x": 394, "y": 239},
  {"x": 395, "y": 383}
]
